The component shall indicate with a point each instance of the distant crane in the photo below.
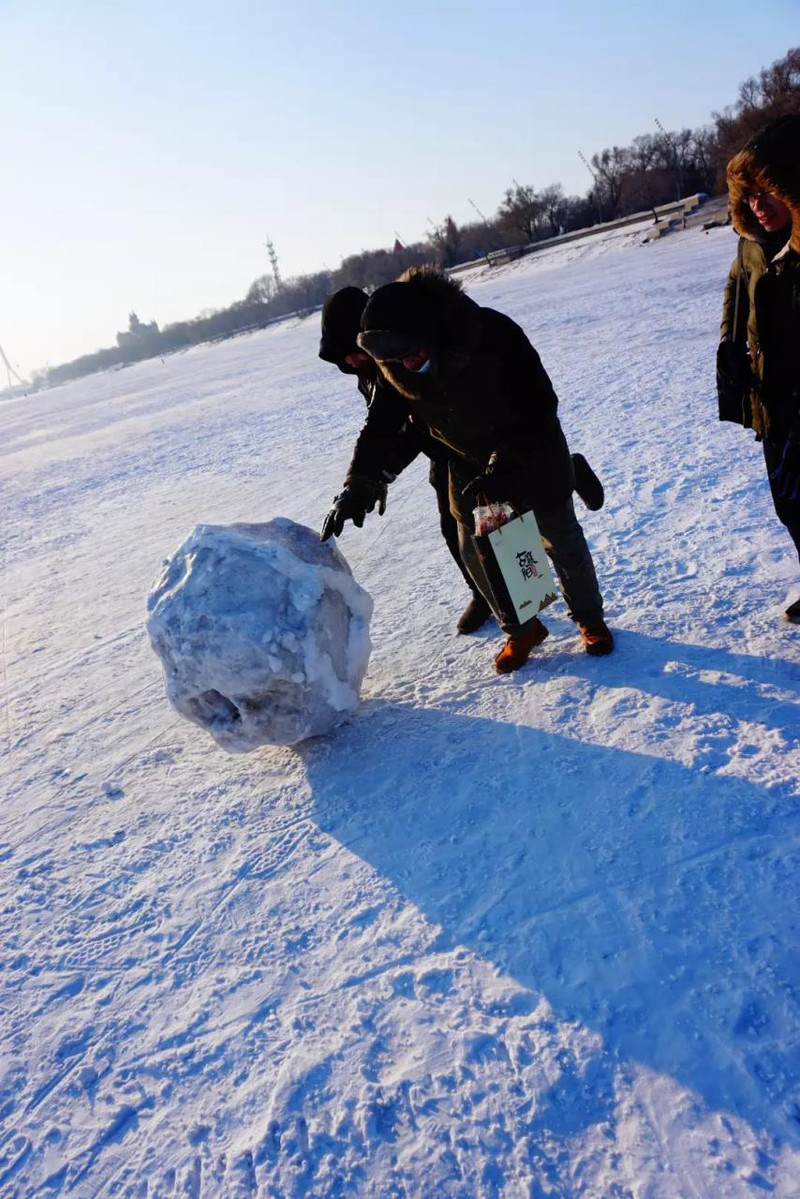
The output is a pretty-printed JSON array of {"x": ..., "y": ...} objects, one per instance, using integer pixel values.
[
  {"x": 594, "y": 194},
  {"x": 489, "y": 230},
  {"x": 9, "y": 369}
]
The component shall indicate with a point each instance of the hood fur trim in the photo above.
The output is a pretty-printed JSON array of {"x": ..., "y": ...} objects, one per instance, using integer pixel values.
[
  {"x": 770, "y": 161},
  {"x": 459, "y": 315}
]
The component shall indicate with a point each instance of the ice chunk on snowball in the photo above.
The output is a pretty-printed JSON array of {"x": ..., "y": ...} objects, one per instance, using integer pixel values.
[{"x": 262, "y": 631}]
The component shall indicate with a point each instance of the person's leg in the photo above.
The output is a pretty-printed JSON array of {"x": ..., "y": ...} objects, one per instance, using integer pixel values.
[
  {"x": 479, "y": 580},
  {"x": 587, "y": 484},
  {"x": 440, "y": 482},
  {"x": 522, "y": 638},
  {"x": 787, "y": 511},
  {"x": 565, "y": 543},
  {"x": 477, "y": 611}
]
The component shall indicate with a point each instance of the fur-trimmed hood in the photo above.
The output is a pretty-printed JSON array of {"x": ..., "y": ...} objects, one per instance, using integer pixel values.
[
  {"x": 427, "y": 309},
  {"x": 460, "y": 315},
  {"x": 481, "y": 390},
  {"x": 427, "y": 302},
  {"x": 769, "y": 161}
]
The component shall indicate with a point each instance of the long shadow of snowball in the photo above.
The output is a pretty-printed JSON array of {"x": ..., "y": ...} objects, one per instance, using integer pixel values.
[{"x": 653, "y": 904}]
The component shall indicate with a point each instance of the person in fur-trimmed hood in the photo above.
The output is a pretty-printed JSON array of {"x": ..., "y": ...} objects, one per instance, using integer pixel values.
[
  {"x": 364, "y": 490},
  {"x": 764, "y": 193},
  {"x": 472, "y": 377}
]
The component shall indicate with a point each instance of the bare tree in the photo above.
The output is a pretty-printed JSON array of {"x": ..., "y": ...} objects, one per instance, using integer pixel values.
[
  {"x": 553, "y": 202},
  {"x": 262, "y": 290},
  {"x": 446, "y": 242},
  {"x": 779, "y": 84},
  {"x": 610, "y": 168},
  {"x": 522, "y": 210}
]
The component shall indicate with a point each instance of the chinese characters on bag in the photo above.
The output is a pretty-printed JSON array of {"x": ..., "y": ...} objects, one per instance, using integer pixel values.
[{"x": 527, "y": 564}]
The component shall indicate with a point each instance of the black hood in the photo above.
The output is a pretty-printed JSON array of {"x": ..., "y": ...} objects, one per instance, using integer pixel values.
[
  {"x": 409, "y": 313},
  {"x": 341, "y": 322}
]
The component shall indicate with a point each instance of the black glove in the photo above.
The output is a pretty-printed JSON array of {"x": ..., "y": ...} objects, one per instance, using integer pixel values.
[
  {"x": 496, "y": 484},
  {"x": 359, "y": 497},
  {"x": 785, "y": 478},
  {"x": 734, "y": 380},
  {"x": 733, "y": 365}
]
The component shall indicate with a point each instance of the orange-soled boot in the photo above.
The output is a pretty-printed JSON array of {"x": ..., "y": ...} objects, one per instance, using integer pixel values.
[
  {"x": 517, "y": 649},
  {"x": 597, "y": 638}
]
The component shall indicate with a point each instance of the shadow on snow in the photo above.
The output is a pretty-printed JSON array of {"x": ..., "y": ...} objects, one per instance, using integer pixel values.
[{"x": 655, "y": 904}]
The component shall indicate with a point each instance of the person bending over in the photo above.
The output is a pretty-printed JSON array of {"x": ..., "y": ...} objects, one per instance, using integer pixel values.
[
  {"x": 473, "y": 379},
  {"x": 403, "y": 439}
]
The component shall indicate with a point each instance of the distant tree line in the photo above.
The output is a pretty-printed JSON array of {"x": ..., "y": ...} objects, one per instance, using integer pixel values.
[{"x": 654, "y": 169}]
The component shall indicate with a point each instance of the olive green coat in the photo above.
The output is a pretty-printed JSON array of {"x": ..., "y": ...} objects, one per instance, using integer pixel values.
[
  {"x": 739, "y": 322},
  {"x": 770, "y": 161}
]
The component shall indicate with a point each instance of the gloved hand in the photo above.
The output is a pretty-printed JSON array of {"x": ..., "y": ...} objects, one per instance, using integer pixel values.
[
  {"x": 785, "y": 478},
  {"x": 497, "y": 483},
  {"x": 733, "y": 366},
  {"x": 734, "y": 381},
  {"x": 359, "y": 497}
]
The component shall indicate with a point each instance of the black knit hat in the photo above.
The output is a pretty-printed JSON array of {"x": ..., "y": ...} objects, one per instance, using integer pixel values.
[
  {"x": 403, "y": 308},
  {"x": 341, "y": 321}
]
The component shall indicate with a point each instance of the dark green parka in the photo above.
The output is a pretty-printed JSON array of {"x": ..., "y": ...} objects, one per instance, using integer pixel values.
[{"x": 769, "y": 267}]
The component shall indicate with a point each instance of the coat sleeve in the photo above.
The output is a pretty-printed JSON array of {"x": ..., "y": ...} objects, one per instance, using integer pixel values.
[
  {"x": 388, "y": 442},
  {"x": 729, "y": 300}
]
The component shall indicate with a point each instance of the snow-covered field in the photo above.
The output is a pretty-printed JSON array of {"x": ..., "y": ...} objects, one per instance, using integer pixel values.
[{"x": 524, "y": 936}]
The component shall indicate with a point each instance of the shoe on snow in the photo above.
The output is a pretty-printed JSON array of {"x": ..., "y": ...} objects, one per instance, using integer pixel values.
[
  {"x": 476, "y": 613},
  {"x": 792, "y": 613},
  {"x": 517, "y": 649},
  {"x": 587, "y": 484},
  {"x": 597, "y": 638}
]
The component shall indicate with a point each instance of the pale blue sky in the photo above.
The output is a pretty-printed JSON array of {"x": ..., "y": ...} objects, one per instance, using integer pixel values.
[{"x": 148, "y": 148}]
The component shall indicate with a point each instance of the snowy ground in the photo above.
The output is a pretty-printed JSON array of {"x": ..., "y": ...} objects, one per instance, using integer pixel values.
[{"x": 525, "y": 936}]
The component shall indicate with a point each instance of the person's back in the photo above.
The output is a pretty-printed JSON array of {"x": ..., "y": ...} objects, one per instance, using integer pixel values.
[{"x": 473, "y": 377}]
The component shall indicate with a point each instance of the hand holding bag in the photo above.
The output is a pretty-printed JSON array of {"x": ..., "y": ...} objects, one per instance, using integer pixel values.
[{"x": 510, "y": 546}]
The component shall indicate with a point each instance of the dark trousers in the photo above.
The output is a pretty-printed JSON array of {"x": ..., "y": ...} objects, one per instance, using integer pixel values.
[
  {"x": 566, "y": 547},
  {"x": 787, "y": 511},
  {"x": 440, "y": 482}
]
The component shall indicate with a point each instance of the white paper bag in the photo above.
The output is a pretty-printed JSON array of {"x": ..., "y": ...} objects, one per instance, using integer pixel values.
[{"x": 525, "y": 567}]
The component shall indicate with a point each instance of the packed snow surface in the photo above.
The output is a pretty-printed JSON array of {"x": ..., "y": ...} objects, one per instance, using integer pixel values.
[
  {"x": 524, "y": 936},
  {"x": 262, "y": 632}
]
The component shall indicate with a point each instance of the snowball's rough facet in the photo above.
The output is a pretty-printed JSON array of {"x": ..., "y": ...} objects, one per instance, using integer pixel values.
[{"x": 262, "y": 631}]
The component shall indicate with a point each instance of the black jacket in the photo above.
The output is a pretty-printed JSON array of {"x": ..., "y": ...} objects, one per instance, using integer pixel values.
[{"x": 489, "y": 394}]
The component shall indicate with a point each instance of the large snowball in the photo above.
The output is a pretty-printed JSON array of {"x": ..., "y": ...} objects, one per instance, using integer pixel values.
[{"x": 262, "y": 631}]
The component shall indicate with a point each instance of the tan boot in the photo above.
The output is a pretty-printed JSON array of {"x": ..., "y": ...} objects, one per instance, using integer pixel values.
[
  {"x": 597, "y": 638},
  {"x": 517, "y": 649}
]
